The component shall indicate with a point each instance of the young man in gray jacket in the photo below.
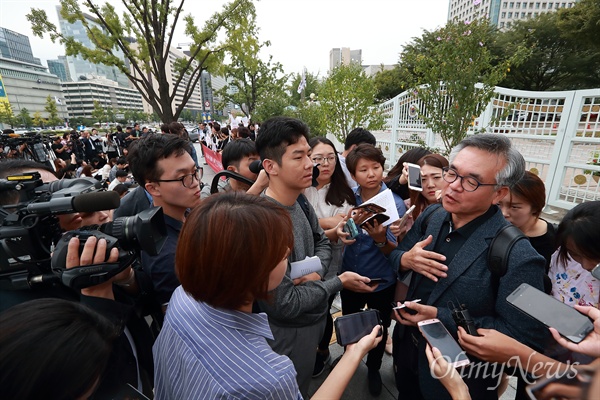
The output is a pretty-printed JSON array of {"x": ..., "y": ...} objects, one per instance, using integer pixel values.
[{"x": 298, "y": 307}]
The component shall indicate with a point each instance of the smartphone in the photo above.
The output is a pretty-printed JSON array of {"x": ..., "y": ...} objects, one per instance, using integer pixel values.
[
  {"x": 353, "y": 327},
  {"x": 380, "y": 218},
  {"x": 596, "y": 271},
  {"x": 414, "y": 177},
  {"x": 371, "y": 207},
  {"x": 573, "y": 377},
  {"x": 351, "y": 229},
  {"x": 569, "y": 322},
  {"x": 408, "y": 212},
  {"x": 438, "y": 336},
  {"x": 375, "y": 281}
]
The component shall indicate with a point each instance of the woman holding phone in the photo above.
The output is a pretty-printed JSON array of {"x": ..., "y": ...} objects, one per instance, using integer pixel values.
[
  {"x": 212, "y": 345},
  {"x": 332, "y": 199}
]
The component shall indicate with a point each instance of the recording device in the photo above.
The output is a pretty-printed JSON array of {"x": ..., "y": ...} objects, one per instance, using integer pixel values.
[
  {"x": 29, "y": 228},
  {"x": 37, "y": 147},
  {"x": 438, "y": 336},
  {"x": 256, "y": 165},
  {"x": 376, "y": 281},
  {"x": 351, "y": 229},
  {"x": 353, "y": 327},
  {"x": 380, "y": 218},
  {"x": 414, "y": 177},
  {"x": 462, "y": 317},
  {"x": 569, "y": 322},
  {"x": 596, "y": 271}
]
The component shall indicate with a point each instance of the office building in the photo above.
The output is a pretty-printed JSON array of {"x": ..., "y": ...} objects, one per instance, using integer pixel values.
[
  {"x": 345, "y": 56},
  {"x": 80, "y": 96},
  {"x": 500, "y": 12},
  {"x": 16, "y": 46},
  {"x": 58, "y": 68},
  {"x": 372, "y": 70},
  {"x": 76, "y": 65}
]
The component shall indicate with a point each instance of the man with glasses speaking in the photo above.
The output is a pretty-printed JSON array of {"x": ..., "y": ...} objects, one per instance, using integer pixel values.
[
  {"x": 163, "y": 166},
  {"x": 446, "y": 251}
]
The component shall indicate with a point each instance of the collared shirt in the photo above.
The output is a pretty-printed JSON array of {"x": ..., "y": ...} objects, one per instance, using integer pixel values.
[
  {"x": 448, "y": 243},
  {"x": 209, "y": 353},
  {"x": 351, "y": 182},
  {"x": 364, "y": 258}
]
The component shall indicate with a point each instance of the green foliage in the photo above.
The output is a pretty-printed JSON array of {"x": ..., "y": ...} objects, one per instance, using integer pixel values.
[
  {"x": 271, "y": 104},
  {"x": 389, "y": 83},
  {"x": 557, "y": 59},
  {"x": 253, "y": 78},
  {"x": 38, "y": 120},
  {"x": 152, "y": 24},
  {"x": 186, "y": 115},
  {"x": 443, "y": 68},
  {"x": 50, "y": 107},
  {"x": 312, "y": 86},
  {"x": 6, "y": 114},
  {"x": 24, "y": 118},
  {"x": 98, "y": 113},
  {"x": 581, "y": 22},
  {"x": 348, "y": 101}
]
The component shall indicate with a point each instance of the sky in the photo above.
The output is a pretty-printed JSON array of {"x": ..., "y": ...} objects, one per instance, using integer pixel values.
[{"x": 302, "y": 32}]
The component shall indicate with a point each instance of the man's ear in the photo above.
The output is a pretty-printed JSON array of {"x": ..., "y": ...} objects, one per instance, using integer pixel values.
[
  {"x": 153, "y": 188},
  {"x": 232, "y": 168},
  {"x": 500, "y": 194},
  {"x": 270, "y": 166}
]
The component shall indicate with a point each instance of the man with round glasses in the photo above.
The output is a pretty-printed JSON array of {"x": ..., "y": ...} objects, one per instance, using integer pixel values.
[
  {"x": 446, "y": 252},
  {"x": 162, "y": 164}
]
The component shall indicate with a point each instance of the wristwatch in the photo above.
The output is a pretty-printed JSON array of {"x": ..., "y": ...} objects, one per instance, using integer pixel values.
[{"x": 382, "y": 244}]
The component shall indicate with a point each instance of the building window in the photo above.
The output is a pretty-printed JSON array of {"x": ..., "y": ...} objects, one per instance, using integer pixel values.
[
  {"x": 503, "y": 15},
  {"x": 543, "y": 6},
  {"x": 537, "y": 5},
  {"x": 518, "y": 5},
  {"x": 501, "y": 25},
  {"x": 504, "y": 5},
  {"x": 522, "y": 15},
  {"x": 509, "y": 15},
  {"x": 512, "y": 4}
]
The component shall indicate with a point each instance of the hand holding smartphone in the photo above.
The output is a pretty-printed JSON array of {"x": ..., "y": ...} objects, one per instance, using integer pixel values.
[
  {"x": 438, "y": 336},
  {"x": 414, "y": 177},
  {"x": 353, "y": 327}
]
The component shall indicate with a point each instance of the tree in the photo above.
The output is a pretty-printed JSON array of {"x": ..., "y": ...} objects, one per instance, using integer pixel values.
[
  {"x": 312, "y": 86},
  {"x": 252, "y": 78},
  {"x": 452, "y": 71},
  {"x": 311, "y": 113},
  {"x": 24, "y": 118},
  {"x": 6, "y": 114},
  {"x": 50, "y": 107},
  {"x": 98, "y": 113},
  {"x": 38, "y": 120},
  {"x": 152, "y": 24},
  {"x": 555, "y": 61},
  {"x": 186, "y": 115},
  {"x": 581, "y": 22},
  {"x": 389, "y": 83},
  {"x": 348, "y": 101},
  {"x": 271, "y": 104}
]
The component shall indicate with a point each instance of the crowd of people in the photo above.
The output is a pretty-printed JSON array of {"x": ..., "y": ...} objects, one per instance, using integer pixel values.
[{"x": 228, "y": 317}]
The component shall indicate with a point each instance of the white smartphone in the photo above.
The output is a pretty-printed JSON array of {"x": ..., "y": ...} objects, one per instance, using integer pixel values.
[
  {"x": 414, "y": 177},
  {"x": 438, "y": 336},
  {"x": 401, "y": 306},
  {"x": 408, "y": 212}
]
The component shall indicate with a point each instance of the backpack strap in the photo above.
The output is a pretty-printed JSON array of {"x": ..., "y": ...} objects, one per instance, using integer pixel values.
[
  {"x": 303, "y": 201},
  {"x": 499, "y": 251}
]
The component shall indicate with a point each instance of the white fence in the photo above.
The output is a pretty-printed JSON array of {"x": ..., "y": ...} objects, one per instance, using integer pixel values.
[{"x": 558, "y": 133}]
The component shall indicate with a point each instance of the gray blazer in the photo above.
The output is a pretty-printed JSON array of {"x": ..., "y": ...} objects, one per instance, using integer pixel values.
[{"x": 469, "y": 282}]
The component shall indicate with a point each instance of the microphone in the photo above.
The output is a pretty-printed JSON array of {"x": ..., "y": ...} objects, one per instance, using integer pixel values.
[{"x": 88, "y": 202}]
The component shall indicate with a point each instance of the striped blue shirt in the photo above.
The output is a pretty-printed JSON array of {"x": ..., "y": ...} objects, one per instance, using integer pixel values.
[{"x": 208, "y": 353}]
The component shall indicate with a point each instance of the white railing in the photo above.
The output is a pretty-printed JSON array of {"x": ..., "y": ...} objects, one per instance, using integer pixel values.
[{"x": 558, "y": 134}]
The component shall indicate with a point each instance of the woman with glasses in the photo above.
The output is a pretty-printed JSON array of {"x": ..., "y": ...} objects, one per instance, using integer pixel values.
[{"x": 332, "y": 199}]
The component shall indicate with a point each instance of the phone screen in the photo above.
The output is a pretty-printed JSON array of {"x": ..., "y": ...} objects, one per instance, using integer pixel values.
[
  {"x": 569, "y": 322},
  {"x": 414, "y": 177},
  {"x": 351, "y": 328},
  {"x": 438, "y": 336}
]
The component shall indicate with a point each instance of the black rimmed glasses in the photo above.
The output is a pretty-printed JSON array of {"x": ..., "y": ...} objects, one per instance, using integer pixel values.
[
  {"x": 320, "y": 160},
  {"x": 468, "y": 183},
  {"x": 187, "y": 180}
]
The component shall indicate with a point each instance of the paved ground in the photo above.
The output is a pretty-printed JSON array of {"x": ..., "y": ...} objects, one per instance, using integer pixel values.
[{"x": 358, "y": 389}]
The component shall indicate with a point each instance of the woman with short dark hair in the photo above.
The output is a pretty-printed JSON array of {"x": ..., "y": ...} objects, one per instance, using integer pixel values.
[{"x": 232, "y": 250}]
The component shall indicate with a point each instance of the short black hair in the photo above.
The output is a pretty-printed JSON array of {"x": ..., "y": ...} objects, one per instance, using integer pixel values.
[
  {"x": 276, "y": 134},
  {"x": 216, "y": 126},
  {"x": 120, "y": 173},
  {"x": 145, "y": 153},
  {"x": 120, "y": 188},
  {"x": 580, "y": 226},
  {"x": 236, "y": 150},
  {"x": 364, "y": 151},
  {"x": 358, "y": 136},
  {"x": 121, "y": 160},
  {"x": 13, "y": 167}
]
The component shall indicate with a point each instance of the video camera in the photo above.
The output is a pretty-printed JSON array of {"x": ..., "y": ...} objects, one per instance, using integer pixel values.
[
  {"x": 37, "y": 146},
  {"x": 30, "y": 232}
]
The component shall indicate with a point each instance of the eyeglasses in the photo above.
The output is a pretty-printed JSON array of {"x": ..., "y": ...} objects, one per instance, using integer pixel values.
[
  {"x": 320, "y": 160},
  {"x": 187, "y": 180},
  {"x": 468, "y": 183}
]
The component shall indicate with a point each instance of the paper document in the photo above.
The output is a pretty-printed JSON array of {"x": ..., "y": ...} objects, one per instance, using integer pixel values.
[
  {"x": 385, "y": 199},
  {"x": 305, "y": 267}
]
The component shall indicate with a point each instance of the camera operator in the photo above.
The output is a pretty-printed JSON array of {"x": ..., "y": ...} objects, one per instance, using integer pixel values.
[
  {"x": 120, "y": 299},
  {"x": 60, "y": 150}
]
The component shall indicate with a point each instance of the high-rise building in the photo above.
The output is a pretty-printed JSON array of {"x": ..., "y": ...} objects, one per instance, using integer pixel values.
[
  {"x": 77, "y": 66},
  {"x": 58, "y": 68},
  {"x": 16, "y": 46},
  {"x": 500, "y": 12},
  {"x": 345, "y": 56}
]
